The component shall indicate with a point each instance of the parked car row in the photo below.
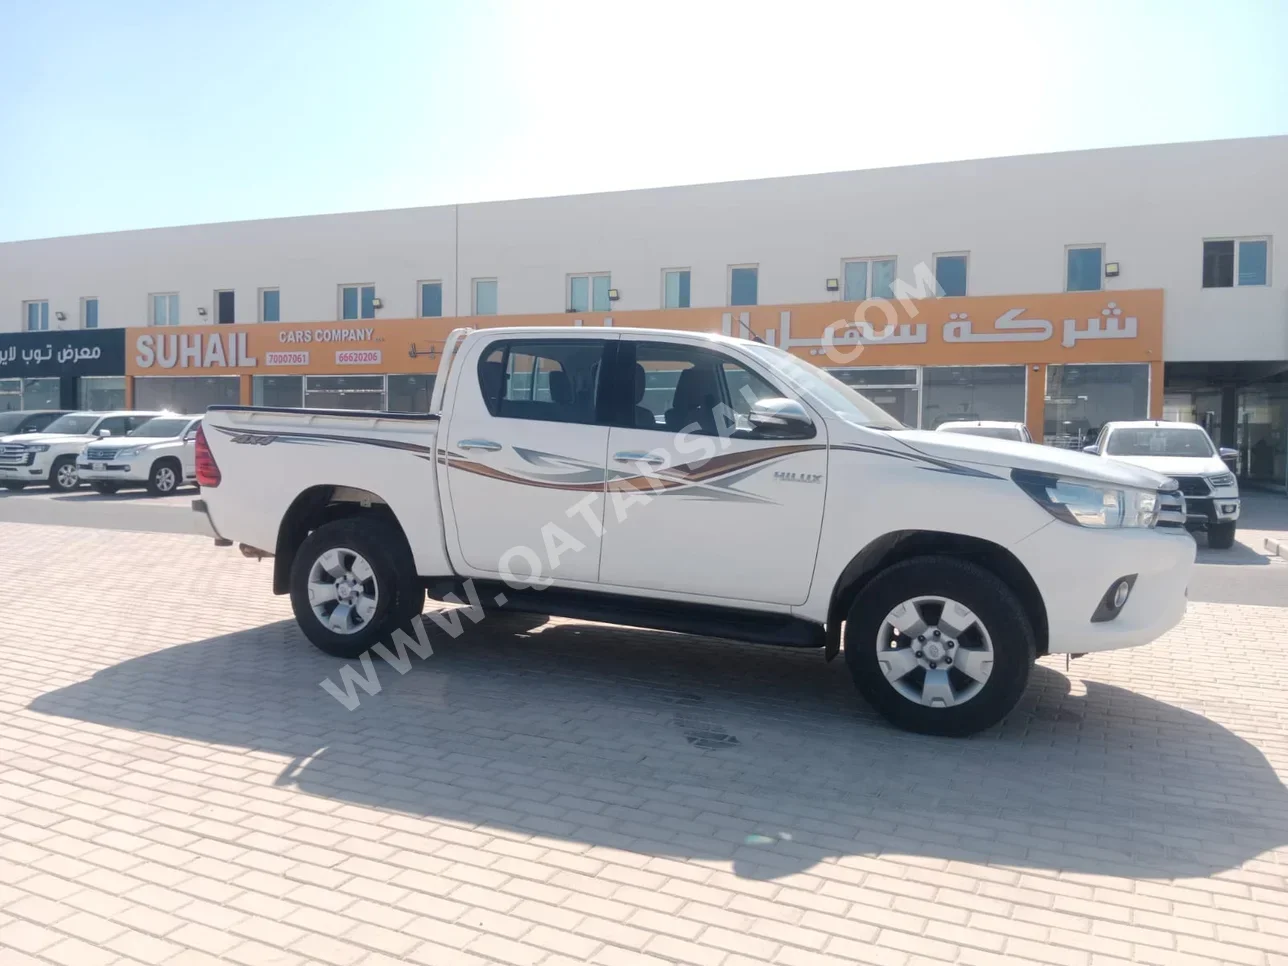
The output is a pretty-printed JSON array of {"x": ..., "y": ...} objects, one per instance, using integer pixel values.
[
  {"x": 109, "y": 451},
  {"x": 1185, "y": 452}
]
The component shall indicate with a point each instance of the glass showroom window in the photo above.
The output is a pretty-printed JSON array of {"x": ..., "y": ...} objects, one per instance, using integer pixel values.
[
  {"x": 344, "y": 392},
  {"x": 897, "y": 391},
  {"x": 431, "y": 300},
  {"x": 10, "y": 395},
  {"x": 36, "y": 315},
  {"x": 744, "y": 284},
  {"x": 868, "y": 278},
  {"x": 286, "y": 392},
  {"x": 357, "y": 301},
  {"x": 971, "y": 392},
  {"x": 42, "y": 393},
  {"x": 410, "y": 394},
  {"x": 270, "y": 305},
  {"x": 186, "y": 394},
  {"x": 1227, "y": 261},
  {"x": 102, "y": 393},
  {"x": 1080, "y": 399},
  {"x": 163, "y": 308},
  {"x": 485, "y": 296},
  {"x": 1082, "y": 268},
  {"x": 675, "y": 288},
  {"x": 950, "y": 274},
  {"x": 588, "y": 293}
]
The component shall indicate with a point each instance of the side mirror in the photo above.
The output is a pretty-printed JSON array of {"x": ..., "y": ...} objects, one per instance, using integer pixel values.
[
  {"x": 104, "y": 432},
  {"x": 189, "y": 436},
  {"x": 780, "y": 419},
  {"x": 1229, "y": 454},
  {"x": 1093, "y": 450}
]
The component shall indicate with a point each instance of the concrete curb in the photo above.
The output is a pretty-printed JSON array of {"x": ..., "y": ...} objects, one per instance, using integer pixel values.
[{"x": 1276, "y": 547}]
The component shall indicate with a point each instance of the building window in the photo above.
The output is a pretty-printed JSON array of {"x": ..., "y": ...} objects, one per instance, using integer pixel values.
[
  {"x": 344, "y": 392},
  {"x": 89, "y": 313},
  {"x": 1080, "y": 399},
  {"x": 950, "y": 274},
  {"x": 36, "y": 315},
  {"x": 163, "y": 308},
  {"x": 953, "y": 393},
  {"x": 1230, "y": 260},
  {"x": 588, "y": 293},
  {"x": 409, "y": 394},
  {"x": 675, "y": 288},
  {"x": 896, "y": 390},
  {"x": 270, "y": 305},
  {"x": 101, "y": 393},
  {"x": 285, "y": 392},
  {"x": 186, "y": 394},
  {"x": 357, "y": 301},
  {"x": 431, "y": 300},
  {"x": 225, "y": 307},
  {"x": 868, "y": 278},
  {"x": 485, "y": 296},
  {"x": 1082, "y": 268},
  {"x": 743, "y": 284}
]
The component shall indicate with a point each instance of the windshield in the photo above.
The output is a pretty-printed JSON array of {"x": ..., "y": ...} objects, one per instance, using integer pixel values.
[
  {"x": 73, "y": 424},
  {"x": 825, "y": 390},
  {"x": 1159, "y": 441},
  {"x": 992, "y": 432},
  {"x": 161, "y": 426}
]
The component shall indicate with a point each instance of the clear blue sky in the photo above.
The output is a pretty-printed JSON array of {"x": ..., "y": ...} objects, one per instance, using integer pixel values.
[{"x": 139, "y": 113}]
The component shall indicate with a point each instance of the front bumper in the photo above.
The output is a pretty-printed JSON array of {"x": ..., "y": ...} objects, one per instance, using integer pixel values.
[
  {"x": 1202, "y": 512},
  {"x": 1072, "y": 567},
  {"x": 33, "y": 472},
  {"x": 110, "y": 473}
]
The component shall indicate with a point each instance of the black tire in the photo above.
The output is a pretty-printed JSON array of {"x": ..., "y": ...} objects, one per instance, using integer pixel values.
[
  {"x": 15, "y": 487},
  {"x": 165, "y": 478},
  {"x": 399, "y": 594},
  {"x": 107, "y": 489},
  {"x": 1221, "y": 535},
  {"x": 58, "y": 469},
  {"x": 997, "y": 609}
]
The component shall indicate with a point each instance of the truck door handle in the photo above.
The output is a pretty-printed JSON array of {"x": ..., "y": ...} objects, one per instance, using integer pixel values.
[
  {"x": 638, "y": 456},
  {"x": 485, "y": 444}
]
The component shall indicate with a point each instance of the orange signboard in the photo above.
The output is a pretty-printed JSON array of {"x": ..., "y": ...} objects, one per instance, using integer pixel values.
[{"x": 1071, "y": 327}]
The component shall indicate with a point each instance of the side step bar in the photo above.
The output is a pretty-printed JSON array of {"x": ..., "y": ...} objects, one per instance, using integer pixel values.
[{"x": 734, "y": 624}]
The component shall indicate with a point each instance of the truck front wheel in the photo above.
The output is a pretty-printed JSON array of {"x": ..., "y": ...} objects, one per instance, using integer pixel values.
[
  {"x": 940, "y": 646},
  {"x": 1221, "y": 535},
  {"x": 353, "y": 582}
]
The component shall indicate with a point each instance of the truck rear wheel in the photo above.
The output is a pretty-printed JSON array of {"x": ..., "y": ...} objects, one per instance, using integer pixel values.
[
  {"x": 939, "y": 646},
  {"x": 353, "y": 582}
]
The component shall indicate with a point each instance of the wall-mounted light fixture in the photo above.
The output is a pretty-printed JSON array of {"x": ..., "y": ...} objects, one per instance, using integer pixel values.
[
  {"x": 834, "y": 285},
  {"x": 201, "y": 310},
  {"x": 377, "y": 304},
  {"x": 1111, "y": 269},
  {"x": 61, "y": 316},
  {"x": 613, "y": 295}
]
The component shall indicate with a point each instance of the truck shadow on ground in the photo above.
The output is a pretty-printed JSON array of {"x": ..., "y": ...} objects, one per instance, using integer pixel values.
[{"x": 693, "y": 748}]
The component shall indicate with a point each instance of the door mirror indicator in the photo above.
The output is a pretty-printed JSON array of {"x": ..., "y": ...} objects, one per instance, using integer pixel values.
[{"x": 780, "y": 419}]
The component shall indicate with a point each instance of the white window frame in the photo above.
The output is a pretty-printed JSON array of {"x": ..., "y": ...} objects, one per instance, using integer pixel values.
[
  {"x": 26, "y": 311},
  {"x": 935, "y": 266},
  {"x": 339, "y": 300},
  {"x": 152, "y": 308},
  {"x": 668, "y": 271},
  {"x": 474, "y": 293},
  {"x": 590, "y": 291},
  {"x": 1238, "y": 257},
  {"x": 866, "y": 260},
  {"x": 1067, "y": 250},
  {"x": 729, "y": 283},
  {"x": 420, "y": 301},
  {"x": 259, "y": 303},
  {"x": 84, "y": 305}
]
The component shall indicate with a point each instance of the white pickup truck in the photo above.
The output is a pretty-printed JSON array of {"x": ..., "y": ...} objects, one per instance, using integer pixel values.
[{"x": 706, "y": 485}]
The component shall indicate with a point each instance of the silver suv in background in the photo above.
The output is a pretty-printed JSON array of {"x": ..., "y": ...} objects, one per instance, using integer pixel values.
[{"x": 159, "y": 454}]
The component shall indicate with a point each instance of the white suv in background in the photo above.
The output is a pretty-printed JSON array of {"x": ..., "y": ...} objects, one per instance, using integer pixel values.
[
  {"x": 1185, "y": 452},
  {"x": 50, "y": 456},
  {"x": 160, "y": 454}
]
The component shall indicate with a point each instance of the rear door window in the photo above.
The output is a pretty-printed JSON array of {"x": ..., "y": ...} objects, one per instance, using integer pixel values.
[{"x": 550, "y": 380}]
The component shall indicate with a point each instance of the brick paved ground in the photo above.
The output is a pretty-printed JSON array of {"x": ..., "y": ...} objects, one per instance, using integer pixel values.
[{"x": 176, "y": 788}]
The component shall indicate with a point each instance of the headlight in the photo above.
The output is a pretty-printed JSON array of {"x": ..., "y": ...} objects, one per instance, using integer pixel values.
[
  {"x": 127, "y": 453},
  {"x": 1222, "y": 479},
  {"x": 1089, "y": 504},
  {"x": 37, "y": 447}
]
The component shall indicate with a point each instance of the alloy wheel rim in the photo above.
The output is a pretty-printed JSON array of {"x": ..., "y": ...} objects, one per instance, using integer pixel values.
[
  {"x": 342, "y": 591},
  {"x": 67, "y": 477},
  {"x": 935, "y": 651},
  {"x": 165, "y": 478}
]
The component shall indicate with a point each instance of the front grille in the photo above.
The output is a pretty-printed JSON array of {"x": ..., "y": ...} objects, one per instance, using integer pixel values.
[
  {"x": 1194, "y": 486},
  {"x": 100, "y": 455},
  {"x": 15, "y": 455}
]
